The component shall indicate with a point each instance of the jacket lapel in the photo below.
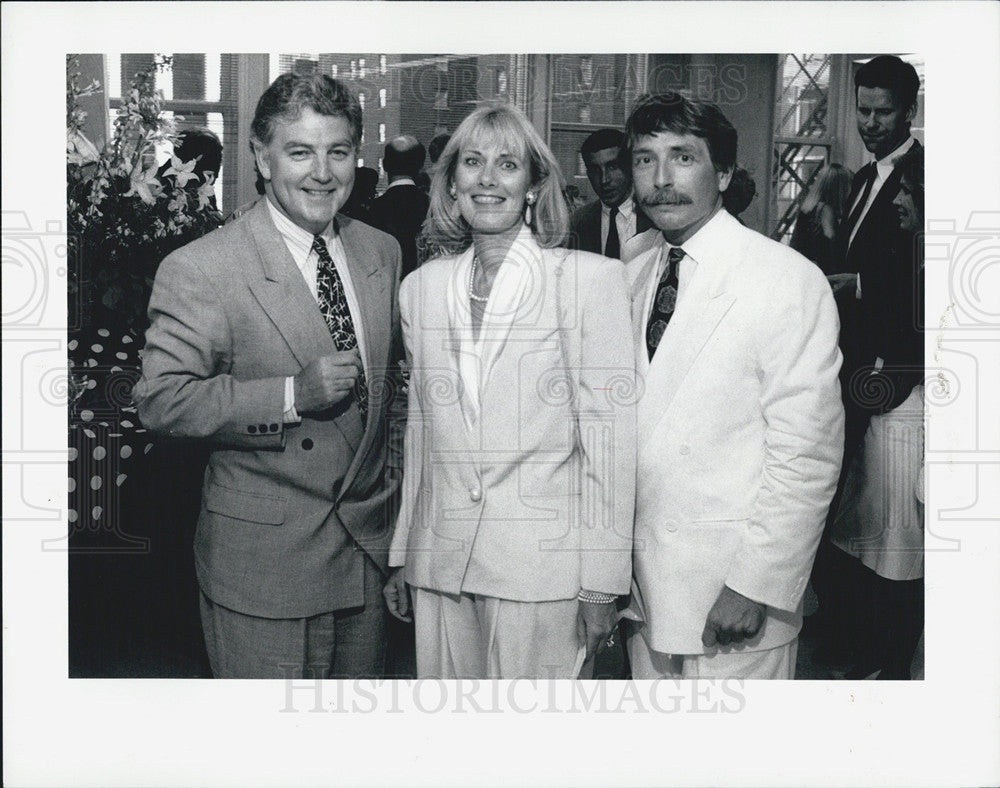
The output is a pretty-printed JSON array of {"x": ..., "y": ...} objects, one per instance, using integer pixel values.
[
  {"x": 369, "y": 281},
  {"x": 684, "y": 339},
  {"x": 703, "y": 305},
  {"x": 591, "y": 242},
  {"x": 282, "y": 292}
]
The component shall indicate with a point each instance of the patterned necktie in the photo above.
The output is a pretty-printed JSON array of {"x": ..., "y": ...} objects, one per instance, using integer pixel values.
[
  {"x": 612, "y": 247},
  {"x": 333, "y": 305},
  {"x": 664, "y": 301}
]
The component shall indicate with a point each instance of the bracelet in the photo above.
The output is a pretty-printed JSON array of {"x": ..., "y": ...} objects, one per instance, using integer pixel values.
[{"x": 596, "y": 597}]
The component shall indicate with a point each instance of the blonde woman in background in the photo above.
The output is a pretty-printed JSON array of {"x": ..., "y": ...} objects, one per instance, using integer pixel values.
[{"x": 820, "y": 215}]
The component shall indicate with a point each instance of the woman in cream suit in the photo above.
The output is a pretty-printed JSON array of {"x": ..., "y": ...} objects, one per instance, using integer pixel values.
[{"x": 516, "y": 522}]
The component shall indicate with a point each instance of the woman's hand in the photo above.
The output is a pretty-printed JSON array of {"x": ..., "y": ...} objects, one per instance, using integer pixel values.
[
  {"x": 594, "y": 623},
  {"x": 397, "y": 595}
]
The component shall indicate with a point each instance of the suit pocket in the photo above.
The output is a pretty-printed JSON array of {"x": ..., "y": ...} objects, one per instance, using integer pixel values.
[{"x": 243, "y": 505}]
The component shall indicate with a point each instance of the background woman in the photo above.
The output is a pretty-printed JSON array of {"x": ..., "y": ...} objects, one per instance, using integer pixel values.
[
  {"x": 820, "y": 215},
  {"x": 516, "y": 520}
]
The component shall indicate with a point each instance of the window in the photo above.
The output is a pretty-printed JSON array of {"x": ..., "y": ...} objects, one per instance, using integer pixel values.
[
  {"x": 333, "y": 70},
  {"x": 381, "y": 132},
  {"x": 587, "y": 92},
  {"x": 361, "y": 100},
  {"x": 802, "y": 138},
  {"x": 361, "y": 162},
  {"x": 361, "y": 68},
  {"x": 382, "y": 96},
  {"x": 383, "y": 65},
  {"x": 199, "y": 91}
]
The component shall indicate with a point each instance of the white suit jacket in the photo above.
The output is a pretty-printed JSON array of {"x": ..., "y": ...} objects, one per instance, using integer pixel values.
[
  {"x": 535, "y": 499},
  {"x": 740, "y": 435}
]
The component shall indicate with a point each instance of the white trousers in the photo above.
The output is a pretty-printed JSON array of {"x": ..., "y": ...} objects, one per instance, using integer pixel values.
[
  {"x": 474, "y": 636},
  {"x": 772, "y": 663}
]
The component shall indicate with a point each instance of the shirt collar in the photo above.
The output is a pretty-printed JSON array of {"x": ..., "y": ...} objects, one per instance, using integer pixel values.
[
  {"x": 886, "y": 163},
  {"x": 401, "y": 182},
  {"x": 299, "y": 241},
  {"x": 626, "y": 208},
  {"x": 712, "y": 241}
]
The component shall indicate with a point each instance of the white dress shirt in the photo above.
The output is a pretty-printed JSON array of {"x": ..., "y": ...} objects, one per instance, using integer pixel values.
[
  {"x": 299, "y": 243},
  {"x": 625, "y": 220},
  {"x": 685, "y": 270},
  {"x": 883, "y": 169}
]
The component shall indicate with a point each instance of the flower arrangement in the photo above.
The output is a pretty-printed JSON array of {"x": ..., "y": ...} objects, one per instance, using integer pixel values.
[{"x": 124, "y": 215}]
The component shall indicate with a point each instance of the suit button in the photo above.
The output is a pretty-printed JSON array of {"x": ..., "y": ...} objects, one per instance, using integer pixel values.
[
  {"x": 273, "y": 428},
  {"x": 685, "y": 449},
  {"x": 251, "y": 429},
  {"x": 262, "y": 428},
  {"x": 670, "y": 525},
  {"x": 475, "y": 494},
  {"x": 307, "y": 443}
]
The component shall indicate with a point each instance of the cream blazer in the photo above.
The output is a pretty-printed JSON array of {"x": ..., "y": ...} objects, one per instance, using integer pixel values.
[
  {"x": 527, "y": 492},
  {"x": 740, "y": 435}
]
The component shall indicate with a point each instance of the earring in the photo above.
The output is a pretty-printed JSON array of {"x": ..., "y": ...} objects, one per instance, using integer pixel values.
[
  {"x": 529, "y": 200},
  {"x": 452, "y": 193}
]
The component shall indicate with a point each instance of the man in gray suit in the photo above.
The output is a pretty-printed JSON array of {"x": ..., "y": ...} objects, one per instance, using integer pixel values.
[
  {"x": 609, "y": 224},
  {"x": 275, "y": 338}
]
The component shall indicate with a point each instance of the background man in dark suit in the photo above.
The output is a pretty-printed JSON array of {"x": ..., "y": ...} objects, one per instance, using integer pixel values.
[
  {"x": 875, "y": 286},
  {"x": 271, "y": 338},
  {"x": 608, "y": 225},
  {"x": 401, "y": 210}
]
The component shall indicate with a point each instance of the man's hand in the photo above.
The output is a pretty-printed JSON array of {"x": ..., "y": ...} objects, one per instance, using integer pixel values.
[
  {"x": 594, "y": 622},
  {"x": 326, "y": 381},
  {"x": 397, "y": 595},
  {"x": 732, "y": 618}
]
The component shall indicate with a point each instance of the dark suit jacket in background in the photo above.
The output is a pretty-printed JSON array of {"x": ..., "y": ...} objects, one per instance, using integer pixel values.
[
  {"x": 287, "y": 511},
  {"x": 401, "y": 211},
  {"x": 887, "y": 322},
  {"x": 585, "y": 227}
]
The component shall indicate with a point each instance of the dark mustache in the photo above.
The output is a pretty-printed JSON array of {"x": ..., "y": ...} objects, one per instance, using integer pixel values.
[{"x": 666, "y": 197}]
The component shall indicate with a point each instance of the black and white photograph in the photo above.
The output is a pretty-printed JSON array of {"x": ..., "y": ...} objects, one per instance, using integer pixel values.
[{"x": 614, "y": 388}]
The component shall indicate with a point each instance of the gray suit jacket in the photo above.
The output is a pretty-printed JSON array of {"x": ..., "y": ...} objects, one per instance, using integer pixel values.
[{"x": 287, "y": 510}]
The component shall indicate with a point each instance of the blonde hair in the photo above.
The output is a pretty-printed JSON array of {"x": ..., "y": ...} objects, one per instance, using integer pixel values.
[
  {"x": 832, "y": 187},
  {"x": 503, "y": 124}
]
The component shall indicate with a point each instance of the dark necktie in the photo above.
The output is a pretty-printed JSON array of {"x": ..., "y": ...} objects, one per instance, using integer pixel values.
[
  {"x": 852, "y": 220},
  {"x": 333, "y": 305},
  {"x": 664, "y": 301},
  {"x": 612, "y": 247}
]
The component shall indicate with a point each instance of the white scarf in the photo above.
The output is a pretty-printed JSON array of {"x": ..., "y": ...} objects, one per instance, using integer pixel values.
[{"x": 516, "y": 293}]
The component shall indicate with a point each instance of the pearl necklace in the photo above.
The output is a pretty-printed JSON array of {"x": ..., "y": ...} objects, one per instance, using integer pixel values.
[{"x": 472, "y": 275}]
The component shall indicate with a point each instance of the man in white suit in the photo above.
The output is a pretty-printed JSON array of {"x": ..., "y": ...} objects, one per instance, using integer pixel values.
[{"x": 740, "y": 423}]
